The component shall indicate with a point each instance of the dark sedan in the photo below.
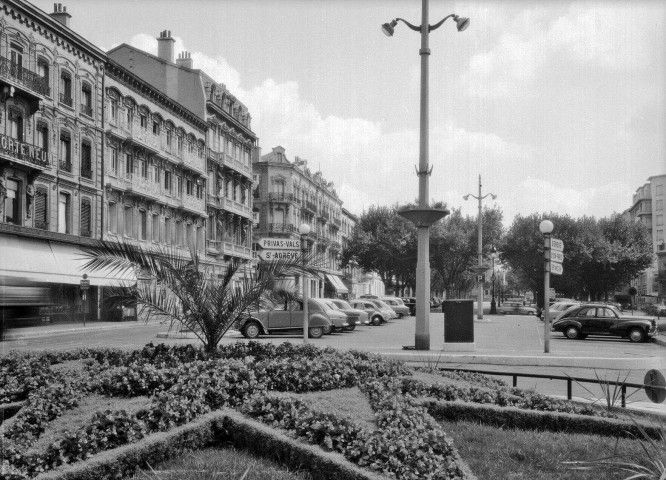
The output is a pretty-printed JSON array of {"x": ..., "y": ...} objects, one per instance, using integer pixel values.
[{"x": 579, "y": 322}]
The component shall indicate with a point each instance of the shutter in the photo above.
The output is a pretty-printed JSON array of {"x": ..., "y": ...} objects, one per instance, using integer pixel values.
[
  {"x": 40, "y": 208},
  {"x": 85, "y": 218}
]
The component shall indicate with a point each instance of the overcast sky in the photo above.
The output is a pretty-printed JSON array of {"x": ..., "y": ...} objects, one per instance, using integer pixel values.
[{"x": 558, "y": 105}]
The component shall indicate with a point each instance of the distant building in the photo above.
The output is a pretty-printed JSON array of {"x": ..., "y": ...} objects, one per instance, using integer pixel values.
[
  {"x": 289, "y": 194},
  {"x": 648, "y": 208},
  {"x": 51, "y": 187}
]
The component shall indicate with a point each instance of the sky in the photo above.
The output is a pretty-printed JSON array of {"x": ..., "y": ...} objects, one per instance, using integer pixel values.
[{"x": 559, "y": 106}]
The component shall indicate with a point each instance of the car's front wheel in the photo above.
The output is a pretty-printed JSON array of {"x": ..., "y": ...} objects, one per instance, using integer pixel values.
[
  {"x": 636, "y": 335},
  {"x": 350, "y": 328},
  {"x": 251, "y": 330},
  {"x": 572, "y": 333},
  {"x": 315, "y": 332},
  {"x": 376, "y": 320}
]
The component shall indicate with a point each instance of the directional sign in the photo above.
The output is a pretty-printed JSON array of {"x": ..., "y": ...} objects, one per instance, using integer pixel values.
[
  {"x": 280, "y": 243},
  {"x": 270, "y": 255},
  {"x": 556, "y": 256},
  {"x": 556, "y": 268},
  {"x": 84, "y": 283},
  {"x": 556, "y": 244}
]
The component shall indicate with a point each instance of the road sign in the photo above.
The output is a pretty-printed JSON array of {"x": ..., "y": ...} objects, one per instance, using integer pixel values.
[
  {"x": 556, "y": 268},
  {"x": 655, "y": 386},
  {"x": 556, "y": 244},
  {"x": 556, "y": 256},
  {"x": 270, "y": 255},
  {"x": 479, "y": 278},
  {"x": 280, "y": 243},
  {"x": 85, "y": 284}
]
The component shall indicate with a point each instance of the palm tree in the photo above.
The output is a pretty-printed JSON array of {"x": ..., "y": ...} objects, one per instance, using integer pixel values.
[{"x": 183, "y": 290}]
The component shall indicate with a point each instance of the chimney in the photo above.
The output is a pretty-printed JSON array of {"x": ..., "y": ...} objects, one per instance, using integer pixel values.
[
  {"x": 184, "y": 60},
  {"x": 165, "y": 46},
  {"x": 60, "y": 14}
]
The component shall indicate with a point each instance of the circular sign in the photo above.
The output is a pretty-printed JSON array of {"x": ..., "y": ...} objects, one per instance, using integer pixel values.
[
  {"x": 632, "y": 291},
  {"x": 654, "y": 378}
]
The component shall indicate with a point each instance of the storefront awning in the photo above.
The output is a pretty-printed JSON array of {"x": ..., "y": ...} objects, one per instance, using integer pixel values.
[
  {"x": 337, "y": 283},
  {"x": 51, "y": 262}
]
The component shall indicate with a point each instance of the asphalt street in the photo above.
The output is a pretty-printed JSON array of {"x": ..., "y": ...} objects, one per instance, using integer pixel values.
[{"x": 506, "y": 344}]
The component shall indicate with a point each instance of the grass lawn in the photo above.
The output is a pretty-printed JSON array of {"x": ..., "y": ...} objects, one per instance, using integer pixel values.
[{"x": 490, "y": 452}]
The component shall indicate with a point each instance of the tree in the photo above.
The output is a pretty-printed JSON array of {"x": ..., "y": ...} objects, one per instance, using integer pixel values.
[{"x": 182, "y": 289}]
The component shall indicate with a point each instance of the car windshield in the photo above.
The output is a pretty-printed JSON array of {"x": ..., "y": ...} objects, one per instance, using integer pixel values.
[
  {"x": 342, "y": 304},
  {"x": 332, "y": 305},
  {"x": 326, "y": 305}
]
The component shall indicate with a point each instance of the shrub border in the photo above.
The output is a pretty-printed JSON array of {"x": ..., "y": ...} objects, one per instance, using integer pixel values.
[
  {"x": 213, "y": 429},
  {"x": 512, "y": 417}
]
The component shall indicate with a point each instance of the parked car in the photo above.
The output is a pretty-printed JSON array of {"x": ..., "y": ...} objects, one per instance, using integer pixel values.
[
  {"x": 383, "y": 306},
  {"x": 339, "y": 325},
  {"x": 361, "y": 316},
  {"x": 367, "y": 295},
  {"x": 557, "y": 309},
  {"x": 397, "y": 305},
  {"x": 486, "y": 307},
  {"x": 410, "y": 302},
  {"x": 591, "y": 319},
  {"x": 375, "y": 314},
  {"x": 288, "y": 318},
  {"x": 516, "y": 308}
]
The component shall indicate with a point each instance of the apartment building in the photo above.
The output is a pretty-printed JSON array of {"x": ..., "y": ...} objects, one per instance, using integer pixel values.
[
  {"x": 648, "y": 208},
  {"x": 289, "y": 194},
  {"x": 50, "y": 151}
]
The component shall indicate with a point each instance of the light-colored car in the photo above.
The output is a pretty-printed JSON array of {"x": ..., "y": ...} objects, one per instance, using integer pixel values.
[
  {"x": 360, "y": 317},
  {"x": 351, "y": 318},
  {"x": 288, "y": 318},
  {"x": 390, "y": 313},
  {"x": 557, "y": 308},
  {"x": 397, "y": 305},
  {"x": 516, "y": 308},
  {"x": 376, "y": 316}
]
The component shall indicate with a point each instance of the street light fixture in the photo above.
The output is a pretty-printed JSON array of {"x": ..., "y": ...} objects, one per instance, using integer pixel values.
[
  {"x": 423, "y": 216},
  {"x": 304, "y": 230},
  {"x": 546, "y": 228},
  {"x": 480, "y": 268}
]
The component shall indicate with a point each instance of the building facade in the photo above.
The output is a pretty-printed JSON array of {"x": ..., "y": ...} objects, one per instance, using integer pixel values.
[
  {"x": 288, "y": 194},
  {"x": 51, "y": 134},
  {"x": 223, "y": 166},
  {"x": 648, "y": 208}
]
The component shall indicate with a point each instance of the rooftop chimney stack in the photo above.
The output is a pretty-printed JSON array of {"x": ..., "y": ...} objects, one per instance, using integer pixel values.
[
  {"x": 165, "y": 46},
  {"x": 60, "y": 14},
  {"x": 184, "y": 60}
]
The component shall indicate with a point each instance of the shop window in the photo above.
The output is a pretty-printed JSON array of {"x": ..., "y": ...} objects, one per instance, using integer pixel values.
[
  {"x": 85, "y": 218},
  {"x": 64, "y": 214},
  {"x": 41, "y": 204}
]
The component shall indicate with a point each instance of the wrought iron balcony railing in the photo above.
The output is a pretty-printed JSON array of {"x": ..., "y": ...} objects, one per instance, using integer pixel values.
[
  {"x": 66, "y": 100},
  {"x": 86, "y": 110},
  {"x": 65, "y": 165},
  {"x": 25, "y": 77}
]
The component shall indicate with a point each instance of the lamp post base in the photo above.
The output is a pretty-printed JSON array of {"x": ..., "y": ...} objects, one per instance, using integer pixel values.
[{"x": 493, "y": 307}]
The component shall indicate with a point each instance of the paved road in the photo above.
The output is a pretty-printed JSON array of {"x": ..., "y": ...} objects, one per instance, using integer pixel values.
[{"x": 506, "y": 344}]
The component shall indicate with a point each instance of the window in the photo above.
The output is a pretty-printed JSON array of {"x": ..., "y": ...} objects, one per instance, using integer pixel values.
[
  {"x": 167, "y": 231},
  {"x": 659, "y": 190},
  {"x": 113, "y": 110},
  {"x": 143, "y": 167},
  {"x": 169, "y": 136},
  {"x": 114, "y": 161},
  {"x": 43, "y": 136},
  {"x": 129, "y": 165},
  {"x": 230, "y": 146},
  {"x": 16, "y": 56},
  {"x": 41, "y": 212},
  {"x": 167, "y": 181},
  {"x": 143, "y": 120},
  {"x": 86, "y": 159},
  {"x": 189, "y": 187},
  {"x": 63, "y": 213},
  {"x": 128, "y": 221},
  {"x": 200, "y": 239},
  {"x": 179, "y": 233},
  {"x": 66, "y": 89},
  {"x": 43, "y": 69},
  {"x": 180, "y": 144},
  {"x": 129, "y": 115},
  {"x": 16, "y": 124},
  {"x": 660, "y": 220},
  {"x": 143, "y": 224},
  {"x": 86, "y": 100},
  {"x": 85, "y": 218},
  {"x": 659, "y": 205},
  {"x": 156, "y": 174},
  {"x": 179, "y": 186},
  {"x": 12, "y": 202},
  {"x": 156, "y": 127},
  {"x": 65, "y": 151},
  {"x": 200, "y": 191},
  {"x": 113, "y": 217},
  {"x": 660, "y": 234},
  {"x": 156, "y": 228}
]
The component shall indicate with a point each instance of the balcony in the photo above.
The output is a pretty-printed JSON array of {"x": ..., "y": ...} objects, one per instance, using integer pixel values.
[
  {"x": 24, "y": 153},
  {"x": 192, "y": 203},
  {"x": 281, "y": 228},
  {"x": 309, "y": 206},
  {"x": 337, "y": 222},
  {"x": 87, "y": 110},
  {"x": 280, "y": 197},
  {"x": 29, "y": 83},
  {"x": 65, "y": 166},
  {"x": 66, "y": 100}
]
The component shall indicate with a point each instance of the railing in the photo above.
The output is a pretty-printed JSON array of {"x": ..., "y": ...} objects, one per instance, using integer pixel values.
[
  {"x": 310, "y": 206},
  {"x": 337, "y": 222},
  {"x": 87, "y": 110},
  {"x": 65, "y": 166},
  {"x": 66, "y": 100},
  {"x": 86, "y": 173},
  {"x": 623, "y": 385},
  {"x": 280, "y": 196},
  {"x": 281, "y": 227},
  {"x": 85, "y": 233},
  {"x": 25, "y": 77}
]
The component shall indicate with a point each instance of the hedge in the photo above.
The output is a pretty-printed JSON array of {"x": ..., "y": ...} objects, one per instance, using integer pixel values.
[{"x": 517, "y": 418}]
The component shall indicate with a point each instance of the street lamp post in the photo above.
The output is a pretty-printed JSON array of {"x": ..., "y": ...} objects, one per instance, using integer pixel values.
[
  {"x": 546, "y": 228},
  {"x": 493, "y": 304},
  {"x": 304, "y": 229},
  {"x": 479, "y": 306},
  {"x": 423, "y": 216}
]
